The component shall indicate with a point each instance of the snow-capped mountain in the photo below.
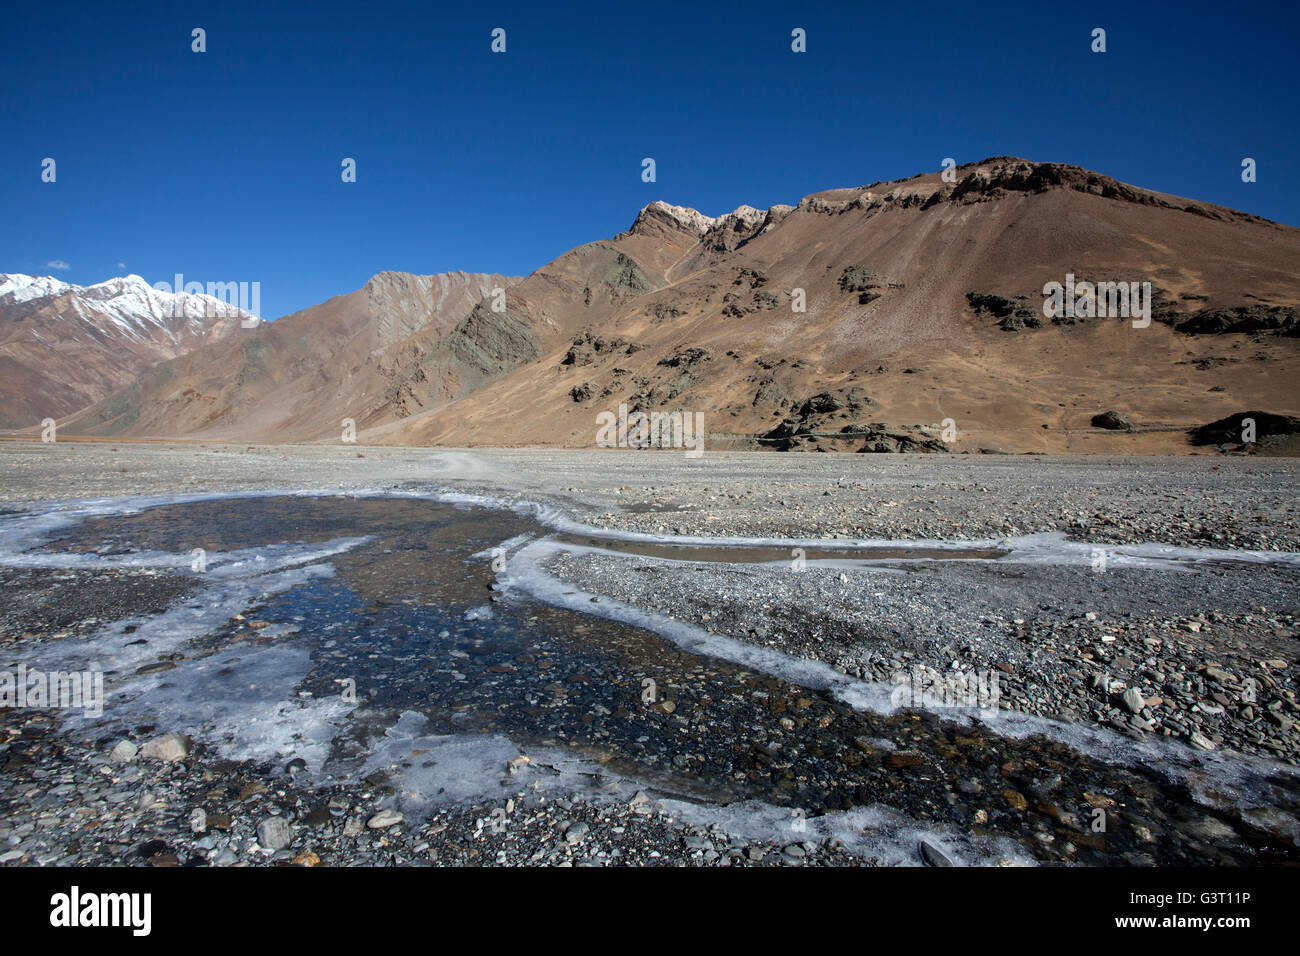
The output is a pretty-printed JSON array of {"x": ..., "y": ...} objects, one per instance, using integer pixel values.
[
  {"x": 65, "y": 346},
  {"x": 129, "y": 302}
]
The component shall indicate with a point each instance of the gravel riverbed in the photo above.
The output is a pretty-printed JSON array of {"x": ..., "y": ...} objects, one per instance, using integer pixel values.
[{"x": 1203, "y": 659}]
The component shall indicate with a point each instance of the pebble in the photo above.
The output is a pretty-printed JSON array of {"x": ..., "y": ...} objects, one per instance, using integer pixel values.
[
  {"x": 274, "y": 833},
  {"x": 933, "y": 855},
  {"x": 124, "y": 751},
  {"x": 168, "y": 748},
  {"x": 384, "y": 819}
]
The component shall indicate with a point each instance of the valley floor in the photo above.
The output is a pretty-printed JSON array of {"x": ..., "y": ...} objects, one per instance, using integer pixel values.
[{"x": 1144, "y": 610}]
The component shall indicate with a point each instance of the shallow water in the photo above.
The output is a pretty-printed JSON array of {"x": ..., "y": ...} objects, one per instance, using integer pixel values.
[
  {"x": 399, "y": 598},
  {"x": 764, "y": 554}
]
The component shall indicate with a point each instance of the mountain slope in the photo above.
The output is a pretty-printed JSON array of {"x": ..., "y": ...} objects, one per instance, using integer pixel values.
[
  {"x": 64, "y": 346},
  {"x": 924, "y": 301},
  {"x": 888, "y": 270},
  {"x": 355, "y": 356}
]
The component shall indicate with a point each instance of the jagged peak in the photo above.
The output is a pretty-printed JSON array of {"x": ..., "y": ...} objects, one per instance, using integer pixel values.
[
  {"x": 683, "y": 216},
  {"x": 743, "y": 219},
  {"x": 741, "y": 216}
]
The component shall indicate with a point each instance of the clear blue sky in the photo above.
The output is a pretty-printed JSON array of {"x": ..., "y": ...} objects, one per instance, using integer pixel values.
[{"x": 225, "y": 165}]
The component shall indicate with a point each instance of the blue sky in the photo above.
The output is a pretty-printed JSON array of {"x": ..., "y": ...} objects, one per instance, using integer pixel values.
[{"x": 225, "y": 165}]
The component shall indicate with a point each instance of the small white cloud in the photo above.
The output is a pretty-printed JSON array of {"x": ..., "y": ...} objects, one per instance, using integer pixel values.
[
  {"x": 58, "y": 265},
  {"x": 121, "y": 265}
]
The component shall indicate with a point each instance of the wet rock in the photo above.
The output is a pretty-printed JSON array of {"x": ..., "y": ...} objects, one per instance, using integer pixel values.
[
  {"x": 384, "y": 819},
  {"x": 933, "y": 855},
  {"x": 123, "y": 752},
  {"x": 901, "y": 761},
  {"x": 318, "y": 817},
  {"x": 152, "y": 848},
  {"x": 168, "y": 748},
  {"x": 274, "y": 833}
]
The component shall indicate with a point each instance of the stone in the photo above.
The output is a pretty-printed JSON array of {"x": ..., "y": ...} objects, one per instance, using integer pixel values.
[
  {"x": 274, "y": 833},
  {"x": 576, "y": 832},
  {"x": 123, "y": 752},
  {"x": 1017, "y": 800},
  {"x": 1133, "y": 700},
  {"x": 899, "y": 760},
  {"x": 1112, "y": 421},
  {"x": 168, "y": 748},
  {"x": 384, "y": 819},
  {"x": 933, "y": 855}
]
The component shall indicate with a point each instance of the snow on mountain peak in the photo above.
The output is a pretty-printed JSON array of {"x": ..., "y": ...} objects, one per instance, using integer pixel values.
[
  {"x": 24, "y": 287},
  {"x": 128, "y": 302}
]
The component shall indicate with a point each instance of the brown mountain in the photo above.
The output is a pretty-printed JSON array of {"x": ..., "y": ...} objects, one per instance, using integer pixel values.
[
  {"x": 64, "y": 346},
  {"x": 364, "y": 355},
  {"x": 924, "y": 302}
]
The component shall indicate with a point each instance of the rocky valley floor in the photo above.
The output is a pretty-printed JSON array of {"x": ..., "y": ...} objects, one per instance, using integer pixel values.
[{"x": 1102, "y": 672}]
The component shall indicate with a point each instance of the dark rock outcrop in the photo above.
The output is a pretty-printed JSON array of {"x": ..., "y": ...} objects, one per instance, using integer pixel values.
[
  {"x": 586, "y": 347},
  {"x": 1014, "y": 314},
  {"x": 813, "y": 414},
  {"x": 1228, "y": 431},
  {"x": 857, "y": 279},
  {"x": 1112, "y": 421},
  {"x": 905, "y": 439},
  {"x": 1242, "y": 318}
]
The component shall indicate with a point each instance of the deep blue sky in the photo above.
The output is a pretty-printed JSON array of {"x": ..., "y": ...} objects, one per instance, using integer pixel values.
[{"x": 225, "y": 165}]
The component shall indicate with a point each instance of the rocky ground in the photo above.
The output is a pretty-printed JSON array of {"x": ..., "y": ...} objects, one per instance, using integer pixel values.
[
  {"x": 169, "y": 802},
  {"x": 1208, "y": 660},
  {"x": 1202, "y": 501},
  {"x": 1209, "y": 663}
]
